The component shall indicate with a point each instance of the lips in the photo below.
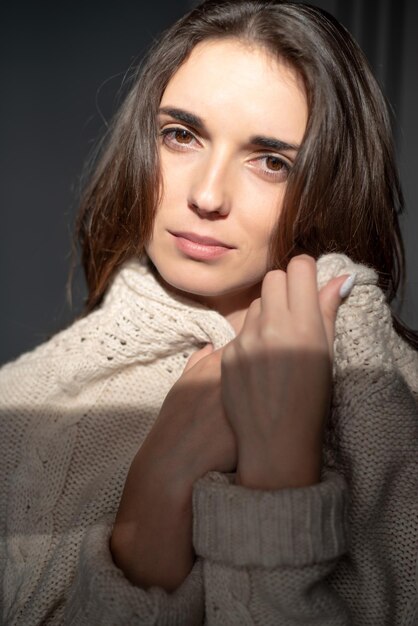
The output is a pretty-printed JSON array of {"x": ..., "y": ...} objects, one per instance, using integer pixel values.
[
  {"x": 200, "y": 248},
  {"x": 206, "y": 241}
]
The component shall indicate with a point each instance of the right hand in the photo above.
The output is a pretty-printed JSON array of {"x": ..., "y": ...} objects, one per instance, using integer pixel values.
[
  {"x": 192, "y": 435},
  {"x": 152, "y": 535}
]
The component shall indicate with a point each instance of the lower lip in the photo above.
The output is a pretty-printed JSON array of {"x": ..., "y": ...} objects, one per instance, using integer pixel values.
[{"x": 199, "y": 250}]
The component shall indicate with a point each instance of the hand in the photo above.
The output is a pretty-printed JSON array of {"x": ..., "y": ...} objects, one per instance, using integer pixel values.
[
  {"x": 152, "y": 536},
  {"x": 192, "y": 435},
  {"x": 277, "y": 375}
]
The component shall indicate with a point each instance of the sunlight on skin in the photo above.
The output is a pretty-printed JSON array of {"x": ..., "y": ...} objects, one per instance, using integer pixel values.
[{"x": 231, "y": 119}]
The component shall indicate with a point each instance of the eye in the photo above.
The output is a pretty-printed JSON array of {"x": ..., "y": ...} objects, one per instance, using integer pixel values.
[
  {"x": 274, "y": 163},
  {"x": 272, "y": 167},
  {"x": 177, "y": 138}
]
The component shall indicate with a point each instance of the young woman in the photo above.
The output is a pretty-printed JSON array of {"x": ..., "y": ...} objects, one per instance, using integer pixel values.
[{"x": 230, "y": 435}]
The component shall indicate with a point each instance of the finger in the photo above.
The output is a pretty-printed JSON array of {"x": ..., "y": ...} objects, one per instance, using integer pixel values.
[
  {"x": 253, "y": 314},
  {"x": 274, "y": 293},
  {"x": 198, "y": 355},
  {"x": 330, "y": 298},
  {"x": 302, "y": 286}
]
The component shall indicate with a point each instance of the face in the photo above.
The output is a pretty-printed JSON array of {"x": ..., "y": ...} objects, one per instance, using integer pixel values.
[{"x": 231, "y": 120}]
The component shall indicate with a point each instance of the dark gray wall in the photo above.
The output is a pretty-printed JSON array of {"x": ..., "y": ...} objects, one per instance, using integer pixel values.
[
  {"x": 387, "y": 32},
  {"x": 408, "y": 142},
  {"x": 62, "y": 66}
]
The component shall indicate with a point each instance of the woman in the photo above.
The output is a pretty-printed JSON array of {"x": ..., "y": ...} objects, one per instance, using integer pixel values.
[{"x": 177, "y": 456}]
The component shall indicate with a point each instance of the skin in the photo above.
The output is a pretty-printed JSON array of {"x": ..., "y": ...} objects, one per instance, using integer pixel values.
[
  {"x": 216, "y": 183},
  {"x": 258, "y": 405}
]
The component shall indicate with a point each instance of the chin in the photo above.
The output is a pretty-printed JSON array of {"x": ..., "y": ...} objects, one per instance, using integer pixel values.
[
  {"x": 193, "y": 285},
  {"x": 202, "y": 290}
]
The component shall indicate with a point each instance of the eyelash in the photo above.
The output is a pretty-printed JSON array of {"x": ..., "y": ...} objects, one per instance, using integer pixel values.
[
  {"x": 171, "y": 131},
  {"x": 276, "y": 173},
  {"x": 166, "y": 132}
]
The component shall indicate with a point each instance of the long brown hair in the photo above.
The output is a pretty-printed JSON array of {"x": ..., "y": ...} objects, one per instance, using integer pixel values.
[{"x": 343, "y": 193}]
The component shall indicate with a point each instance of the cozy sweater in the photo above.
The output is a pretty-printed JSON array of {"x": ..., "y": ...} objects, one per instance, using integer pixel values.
[{"x": 75, "y": 410}]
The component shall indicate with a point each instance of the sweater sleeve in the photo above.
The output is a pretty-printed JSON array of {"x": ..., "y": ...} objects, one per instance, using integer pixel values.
[
  {"x": 64, "y": 462},
  {"x": 100, "y": 593},
  {"x": 343, "y": 551},
  {"x": 268, "y": 554},
  {"x": 375, "y": 429}
]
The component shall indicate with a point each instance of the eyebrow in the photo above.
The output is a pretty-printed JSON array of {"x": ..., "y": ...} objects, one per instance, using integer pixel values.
[
  {"x": 272, "y": 143},
  {"x": 197, "y": 122},
  {"x": 184, "y": 116}
]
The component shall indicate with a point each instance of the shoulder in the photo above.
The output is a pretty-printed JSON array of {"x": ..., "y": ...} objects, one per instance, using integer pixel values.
[{"x": 36, "y": 373}]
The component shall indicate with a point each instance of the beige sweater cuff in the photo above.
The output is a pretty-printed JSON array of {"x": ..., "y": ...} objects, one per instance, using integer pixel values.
[{"x": 288, "y": 527}]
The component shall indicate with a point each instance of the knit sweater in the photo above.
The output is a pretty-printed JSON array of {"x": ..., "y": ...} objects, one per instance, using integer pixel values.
[{"x": 75, "y": 410}]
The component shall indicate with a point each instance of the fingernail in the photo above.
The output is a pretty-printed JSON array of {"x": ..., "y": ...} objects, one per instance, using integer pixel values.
[{"x": 347, "y": 285}]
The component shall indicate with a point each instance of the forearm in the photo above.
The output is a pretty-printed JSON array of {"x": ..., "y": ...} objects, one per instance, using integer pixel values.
[
  {"x": 152, "y": 536},
  {"x": 152, "y": 541}
]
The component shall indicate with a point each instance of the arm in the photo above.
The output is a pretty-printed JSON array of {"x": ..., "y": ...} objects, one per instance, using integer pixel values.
[
  {"x": 376, "y": 421},
  {"x": 65, "y": 464},
  {"x": 101, "y": 593},
  {"x": 271, "y": 541},
  {"x": 152, "y": 536},
  {"x": 280, "y": 556},
  {"x": 178, "y": 440},
  {"x": 150, "y": 573}
]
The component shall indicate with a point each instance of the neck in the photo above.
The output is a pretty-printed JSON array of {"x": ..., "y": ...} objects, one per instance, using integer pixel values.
[{"x": 233, "y": 307}]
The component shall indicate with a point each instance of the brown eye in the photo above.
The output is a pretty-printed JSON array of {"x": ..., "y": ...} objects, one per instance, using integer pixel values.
[
  {"x": 274, "y": 164},
  {"x": 183, "y": 136},
  {"x": 271, "y": 167},
  {"x": 178, "y": 138}
]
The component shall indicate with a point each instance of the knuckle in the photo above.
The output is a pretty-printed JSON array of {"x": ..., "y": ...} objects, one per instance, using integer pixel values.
[
  {"x": 228, "y": 353},
  {"x": 255, "y": 306},
  {"x": 246, "y": 343},
  {"x": 269, "y": 332},
  {"x": 303, "y": 260},
  {"x": 273, "y": 275}
]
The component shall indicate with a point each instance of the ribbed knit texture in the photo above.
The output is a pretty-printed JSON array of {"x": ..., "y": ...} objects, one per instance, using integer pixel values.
[
  {"x": 258, "y": 528},
  {"x": 75, "y": 411}
]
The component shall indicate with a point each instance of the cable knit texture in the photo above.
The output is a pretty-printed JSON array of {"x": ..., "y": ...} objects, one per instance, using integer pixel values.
[{"x": 75, "y": 410}]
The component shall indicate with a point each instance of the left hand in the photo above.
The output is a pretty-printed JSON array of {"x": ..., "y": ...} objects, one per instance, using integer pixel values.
[{"x": 277, "y": 378}]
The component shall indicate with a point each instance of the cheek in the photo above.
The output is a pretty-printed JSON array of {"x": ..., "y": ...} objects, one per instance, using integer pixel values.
[
  {"x": 261, "y": 215},
  {"x": 175, "y": 175}
]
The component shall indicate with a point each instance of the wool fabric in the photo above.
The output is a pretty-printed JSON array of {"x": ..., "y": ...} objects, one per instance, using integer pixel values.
[{"x": 76, "y": 409}]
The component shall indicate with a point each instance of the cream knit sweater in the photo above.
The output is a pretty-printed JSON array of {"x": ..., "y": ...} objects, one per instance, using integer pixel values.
[{"x": 75, "y": 410}]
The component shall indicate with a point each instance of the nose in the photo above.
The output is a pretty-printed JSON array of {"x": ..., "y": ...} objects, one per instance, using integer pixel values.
[{"x": 209, "y": 192}]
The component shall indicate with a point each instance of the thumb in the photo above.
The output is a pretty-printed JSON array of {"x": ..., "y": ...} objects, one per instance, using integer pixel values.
[
  {"x": 198, "y": 355},
  {"x": 330, "y": 298}
]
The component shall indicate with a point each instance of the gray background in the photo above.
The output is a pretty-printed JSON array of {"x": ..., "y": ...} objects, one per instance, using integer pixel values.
[{"x": 62, "y": 66}]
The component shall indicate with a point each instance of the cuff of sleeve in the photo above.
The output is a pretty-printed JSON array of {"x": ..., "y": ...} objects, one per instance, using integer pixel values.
[
  {"x": 288, "y": 527},
  {"x": 101, "y": 594}
]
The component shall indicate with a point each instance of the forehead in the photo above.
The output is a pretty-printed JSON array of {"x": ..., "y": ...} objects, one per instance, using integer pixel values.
[{"x": 229, "y": 79}]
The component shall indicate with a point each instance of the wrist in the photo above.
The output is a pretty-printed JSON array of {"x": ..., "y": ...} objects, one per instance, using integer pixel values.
[
  {"x": 266, "y": 466},
  {"x": 159, "y": 484}
]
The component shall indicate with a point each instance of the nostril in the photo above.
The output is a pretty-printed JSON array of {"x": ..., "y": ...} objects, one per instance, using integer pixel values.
[{"x": 213, "y": 214}]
